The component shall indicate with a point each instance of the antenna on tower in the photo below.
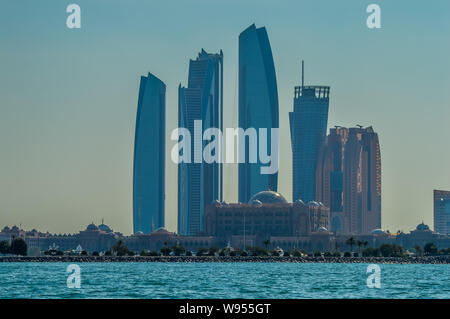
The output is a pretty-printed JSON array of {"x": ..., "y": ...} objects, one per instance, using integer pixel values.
[{"x": 303, "y": 73}]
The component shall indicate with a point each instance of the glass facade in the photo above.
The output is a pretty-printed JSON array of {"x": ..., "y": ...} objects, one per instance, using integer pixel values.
[
  {"x": 442, "y": 211},
  {"x": 199, "y": 184},
  {"x": 258, "y": 105},
  {"x": 308, "y": 125},
  {"x": 149, "y": 156}
]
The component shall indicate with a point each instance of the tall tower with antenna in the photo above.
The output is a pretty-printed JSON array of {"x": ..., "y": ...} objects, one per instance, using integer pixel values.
[
  {"x": 303, "y": 73},
  {"x": 308, "y": 126}
]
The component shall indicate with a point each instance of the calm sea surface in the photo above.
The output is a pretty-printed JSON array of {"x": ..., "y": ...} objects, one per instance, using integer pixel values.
[{"x": 222, "y": 280}]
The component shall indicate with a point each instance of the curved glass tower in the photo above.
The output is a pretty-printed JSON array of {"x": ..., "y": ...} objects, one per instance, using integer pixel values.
[
  {"x": 199, "y": 184},
  {"x": 258, "y": 105},
  {"x": 149, "y": 156}
]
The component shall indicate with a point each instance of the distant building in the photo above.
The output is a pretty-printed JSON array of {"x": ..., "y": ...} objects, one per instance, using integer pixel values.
[
  {"x": 93, "y": 238},
  {"x": 161, "y": 237},
  {"x": 308, "y": 125},
  {"x": 348, "y": 179},
  {"x": 199, "y": 183},
  {"x": 258, "y": 105},
  {"x": 441, "y": 200},
  {"x": 149, "y": 156},
  {"x": 303, "y": 227},
  {"x": 267, "y": 214},
  {"x": 421, "y": 236}
]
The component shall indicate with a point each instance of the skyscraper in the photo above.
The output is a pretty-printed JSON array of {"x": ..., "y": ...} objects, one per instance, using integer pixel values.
[
  {"x": 348, "y": 179},
  {"x": 258, "y": 105},
  {"x": 308, "y": 124},
  {"x": 149, "y": 156},
  {"x": 441, "y": 201},
  {"x": 199, "y": 184}
]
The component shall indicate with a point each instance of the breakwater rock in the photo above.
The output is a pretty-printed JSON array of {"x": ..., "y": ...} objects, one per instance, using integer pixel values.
[{"x": 445, "y": 259}]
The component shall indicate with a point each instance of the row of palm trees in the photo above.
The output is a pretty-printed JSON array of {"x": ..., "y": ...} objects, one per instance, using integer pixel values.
[
  {"x": 360, "y": 243},
  {"x": 386, "y": 249}
]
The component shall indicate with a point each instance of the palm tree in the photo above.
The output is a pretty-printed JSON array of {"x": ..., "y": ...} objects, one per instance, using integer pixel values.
[
  {"x": 365, "y": 243},
  {"x": 351, "y": 241},
  {"x": 165, "y": 250},
  {"x": 267, "y": 243},
  {"x": 359, "y": 243},
  {"x": 418, "y": 249},
  {"x": 178, "y": 249}
]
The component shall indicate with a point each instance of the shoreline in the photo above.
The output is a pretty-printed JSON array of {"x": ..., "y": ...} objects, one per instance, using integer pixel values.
[{"x": 227, "y": 259}]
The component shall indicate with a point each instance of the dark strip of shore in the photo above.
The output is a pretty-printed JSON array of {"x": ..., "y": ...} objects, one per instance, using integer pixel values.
[{"x": 214, "y": 259}]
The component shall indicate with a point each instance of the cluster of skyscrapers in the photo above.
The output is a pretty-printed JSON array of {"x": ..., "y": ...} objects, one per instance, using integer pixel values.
[{"x": 342, "y": 170}]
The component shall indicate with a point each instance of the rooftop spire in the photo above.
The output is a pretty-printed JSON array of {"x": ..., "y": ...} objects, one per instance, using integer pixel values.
[{"x": 303, "y": 73}]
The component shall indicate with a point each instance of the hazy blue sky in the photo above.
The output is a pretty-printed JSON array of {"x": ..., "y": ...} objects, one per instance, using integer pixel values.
[{"x": 68, "y": 98}]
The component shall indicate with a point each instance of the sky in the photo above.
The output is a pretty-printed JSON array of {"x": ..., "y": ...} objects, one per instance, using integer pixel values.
[{"x": 68, "y": 97}]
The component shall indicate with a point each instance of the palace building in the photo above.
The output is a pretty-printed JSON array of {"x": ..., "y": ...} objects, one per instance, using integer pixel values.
[{"x": 266, "y": 215}]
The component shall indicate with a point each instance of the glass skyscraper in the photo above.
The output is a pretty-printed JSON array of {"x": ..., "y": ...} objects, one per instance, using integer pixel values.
[
  {"x": 199, "y": 184},
  {"x": 149, "y": 156},
  {"x": 308, "y": 125},
  {"x": 258, "y": 105},
  {"x": 441, "y": 212}
]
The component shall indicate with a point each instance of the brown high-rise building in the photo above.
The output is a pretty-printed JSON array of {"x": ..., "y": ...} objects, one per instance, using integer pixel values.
[{"x": 348, "y": 179}]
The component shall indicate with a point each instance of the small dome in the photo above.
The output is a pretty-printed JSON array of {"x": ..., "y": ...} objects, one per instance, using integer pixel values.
[
  {"x": 322, "y": 229},
  {"x": 161, "y": 230},
  {"x": 91, "y": 227},
  {"x": 268, "y": 197},
  {"x": 378, "y": 231},
  {"x": 313, "y": 203},
  {"x": 256, "y": 202},
  {"x": 422, "y": 226},
  {"x": 299, "y": 202},
  {"x": 105, "y": 228},
  {"x": 139, "y": 233}
]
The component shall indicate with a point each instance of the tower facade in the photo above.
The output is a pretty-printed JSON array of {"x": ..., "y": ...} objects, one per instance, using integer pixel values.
[
  {"x": 149, "y": 156},
  {"x": 308, "y": 125},
  {"x": 441, "y": 209},
  {"x": 258, "y": 106},
  {"x": 348, "y": 179},
  {"x": 199, "y": 183}
]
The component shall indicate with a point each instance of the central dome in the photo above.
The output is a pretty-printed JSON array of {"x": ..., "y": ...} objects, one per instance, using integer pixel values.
[
  {"x": 422, "y": 226},
  {"x": 268, "y": 197},
  {"x": 91, "y": 227},
  {"x": 105, "y": 228}
]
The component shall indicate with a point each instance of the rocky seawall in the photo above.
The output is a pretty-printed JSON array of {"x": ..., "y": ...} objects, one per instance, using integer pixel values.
[{"x": 213, "y": 259}]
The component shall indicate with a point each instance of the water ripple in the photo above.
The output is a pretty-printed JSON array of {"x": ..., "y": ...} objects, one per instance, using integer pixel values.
[{"x": 223, "y": 280}]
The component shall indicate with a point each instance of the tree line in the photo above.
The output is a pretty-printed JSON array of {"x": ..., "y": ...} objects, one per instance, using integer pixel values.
[{"x": 18, "y": 246}]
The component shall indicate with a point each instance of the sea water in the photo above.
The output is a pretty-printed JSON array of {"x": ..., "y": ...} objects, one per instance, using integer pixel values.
[{"x": 223, "y": 280}]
